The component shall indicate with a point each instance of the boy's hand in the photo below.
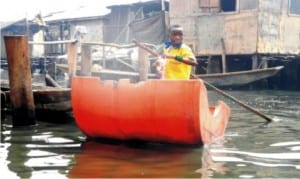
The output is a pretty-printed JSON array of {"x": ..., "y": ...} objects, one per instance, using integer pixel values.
[
  {"x": 167, "y": 56},
  {"x": 156, "y": 63}
]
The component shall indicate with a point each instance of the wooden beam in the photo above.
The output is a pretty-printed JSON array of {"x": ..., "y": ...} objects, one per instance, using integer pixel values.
[
  {"x": 52, "y": 42},
  {"x": 116, "y": 45}
]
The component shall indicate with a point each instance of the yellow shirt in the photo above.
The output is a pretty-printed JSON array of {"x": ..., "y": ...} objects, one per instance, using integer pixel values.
[{"x": 175, "y": 69}]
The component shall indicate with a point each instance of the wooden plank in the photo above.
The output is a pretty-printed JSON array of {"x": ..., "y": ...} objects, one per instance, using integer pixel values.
[{"x": 106, "y": 71}]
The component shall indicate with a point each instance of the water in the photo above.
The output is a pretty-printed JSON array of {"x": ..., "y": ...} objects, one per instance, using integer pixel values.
[{"x": 249, "y": 149}]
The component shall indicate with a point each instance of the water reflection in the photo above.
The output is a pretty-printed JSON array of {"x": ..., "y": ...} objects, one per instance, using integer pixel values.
[
  {"x": 48, "y": 150},
  {"x": 143, "y": 160},
  {"x": 257, "y": 151},
  {"x": 261, "y": 159},
  {"x": 33, "y": 152}
]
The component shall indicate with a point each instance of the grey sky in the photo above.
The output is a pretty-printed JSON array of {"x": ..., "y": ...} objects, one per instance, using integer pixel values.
[{"x": 15, "y": 9}]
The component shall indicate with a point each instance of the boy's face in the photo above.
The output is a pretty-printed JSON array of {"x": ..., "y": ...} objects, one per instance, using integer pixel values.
[{"x": 176, "y": 37}]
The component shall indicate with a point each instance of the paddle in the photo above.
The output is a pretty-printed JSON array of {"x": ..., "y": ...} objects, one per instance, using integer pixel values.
[
  {"x": 246, "y": 106},
  {"x": 269, "y": 119}
]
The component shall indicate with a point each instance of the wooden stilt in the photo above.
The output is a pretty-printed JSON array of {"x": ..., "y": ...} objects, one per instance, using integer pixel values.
[
  {"x": 214, "y": 65},
  {"x": 19, "y": 70},
  {"x": 223, "y": 56},
  {"x": 254, "y": 59},
  {"x": 3, "y": 104}
]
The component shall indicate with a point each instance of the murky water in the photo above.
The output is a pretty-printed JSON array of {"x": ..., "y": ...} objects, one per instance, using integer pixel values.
[{"x": 249, "y": 149}]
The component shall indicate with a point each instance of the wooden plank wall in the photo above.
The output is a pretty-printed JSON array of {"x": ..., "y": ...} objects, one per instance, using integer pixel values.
[
  {"x": 267, "y": 29},
  {"x": 279, "y": 31}
]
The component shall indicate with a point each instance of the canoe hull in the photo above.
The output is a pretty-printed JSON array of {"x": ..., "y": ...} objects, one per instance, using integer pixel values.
[
  {"x": 239, "y": 78},
  {"x": 156, "y": 110}
]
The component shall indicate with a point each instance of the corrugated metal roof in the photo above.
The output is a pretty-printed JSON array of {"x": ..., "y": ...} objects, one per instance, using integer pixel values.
[
  {"x": 4, "y": 25},
  {"x": 81, "y": 12},
  {"x": 140, "y": 3}
]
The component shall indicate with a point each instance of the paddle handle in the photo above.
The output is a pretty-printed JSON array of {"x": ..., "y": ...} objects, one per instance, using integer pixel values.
[
  {"x": 152, "y": 52},
  {"x": 269, "y": 119}
]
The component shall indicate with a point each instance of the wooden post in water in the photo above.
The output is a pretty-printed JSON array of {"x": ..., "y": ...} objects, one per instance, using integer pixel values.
[
  {"x": 223, "y": 56},
  {"x": 3, "y": 104},
  {"x": 19, "y": 70},
  {"x": 143, "y": 64},
  {"x": 86, "y": 61},
  {"x": 72, "y": 60}
]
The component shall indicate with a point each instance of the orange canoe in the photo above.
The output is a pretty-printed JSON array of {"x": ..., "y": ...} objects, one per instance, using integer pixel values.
[{"x": 171, "y": 111}]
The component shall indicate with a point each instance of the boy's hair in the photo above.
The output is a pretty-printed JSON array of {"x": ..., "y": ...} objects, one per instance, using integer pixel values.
[{"x": 176, "y": 28}]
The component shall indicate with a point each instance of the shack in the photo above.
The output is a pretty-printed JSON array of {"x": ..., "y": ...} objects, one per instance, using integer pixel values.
[
  {"x": 145, "y": 21},
  {"x": 236, "y": 35},
  {"x": 82, "y": 23},
  {"x": 33, "y": 28}
]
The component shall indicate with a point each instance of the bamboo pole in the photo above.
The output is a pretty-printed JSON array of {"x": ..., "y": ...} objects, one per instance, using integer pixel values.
[{"x": 19, "y": 70}]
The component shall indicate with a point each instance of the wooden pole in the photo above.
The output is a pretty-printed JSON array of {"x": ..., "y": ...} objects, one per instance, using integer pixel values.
[
  {"x": 3, "y": 105},
  {"x": 143, "y": 64},
  {"x": 137, "y": 43},
  {"x": 51, "y": 82},
  {"x": 223, "y": 56},
  {"x": 72, "y": 60},
  {"x": 19, "y": 70},
  {"x": 86, "y": 61},
  {"x": 104, "y": 57},
  {"x": 143, "y": 59}
]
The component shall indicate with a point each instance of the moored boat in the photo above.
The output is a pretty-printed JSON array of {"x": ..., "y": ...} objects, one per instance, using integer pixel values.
[
  {"x": 169, "y": 111},
  {"x": 239, "y": 78}
]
